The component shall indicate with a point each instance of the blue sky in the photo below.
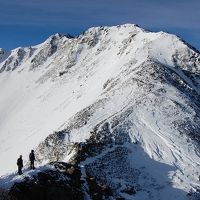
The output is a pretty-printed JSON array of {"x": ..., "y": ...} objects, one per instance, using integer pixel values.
[{"x": 25, "y": 23}]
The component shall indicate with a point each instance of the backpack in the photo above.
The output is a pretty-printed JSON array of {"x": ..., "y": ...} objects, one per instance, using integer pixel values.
[{"x": 31, "y": 157}]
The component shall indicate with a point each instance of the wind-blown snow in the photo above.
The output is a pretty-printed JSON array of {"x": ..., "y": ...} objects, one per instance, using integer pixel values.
[{"x": 138, "y": 76}]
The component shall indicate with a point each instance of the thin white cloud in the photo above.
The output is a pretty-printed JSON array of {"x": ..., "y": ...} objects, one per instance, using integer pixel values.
[{"x": 154, "y": 13}]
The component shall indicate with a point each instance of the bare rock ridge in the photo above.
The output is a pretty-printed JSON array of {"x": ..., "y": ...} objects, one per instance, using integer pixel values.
[
  {"x": 115, "y": 111},
  {"x": 3, "y": 55}
]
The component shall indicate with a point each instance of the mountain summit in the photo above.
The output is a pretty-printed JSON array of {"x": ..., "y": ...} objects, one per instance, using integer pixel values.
[{"x": 120, "y": 102}]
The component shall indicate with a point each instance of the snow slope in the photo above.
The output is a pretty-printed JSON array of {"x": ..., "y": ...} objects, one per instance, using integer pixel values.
[{"x": 113, "y": 85}]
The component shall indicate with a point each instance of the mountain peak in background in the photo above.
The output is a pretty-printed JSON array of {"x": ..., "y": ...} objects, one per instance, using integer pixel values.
[{"x": 120, "y": 104}]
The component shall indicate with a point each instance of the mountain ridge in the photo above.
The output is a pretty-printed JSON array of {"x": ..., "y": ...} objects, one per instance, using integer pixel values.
[{"x": 113, "y": 91}]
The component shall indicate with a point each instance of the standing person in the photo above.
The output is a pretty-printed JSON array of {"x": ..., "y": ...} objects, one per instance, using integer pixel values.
[
  {"x": 32, "y": 159},
  {"x": 20, "y": 164}
]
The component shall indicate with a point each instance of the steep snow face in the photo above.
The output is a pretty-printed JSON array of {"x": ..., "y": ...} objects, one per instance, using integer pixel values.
[{"x": 112, "y": 85}]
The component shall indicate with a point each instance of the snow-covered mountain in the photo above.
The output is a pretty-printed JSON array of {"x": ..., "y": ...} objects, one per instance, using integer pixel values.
[{"x": 121, "y": 102}]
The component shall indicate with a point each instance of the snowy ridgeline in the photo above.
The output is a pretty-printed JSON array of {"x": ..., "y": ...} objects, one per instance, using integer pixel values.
[{"x": 129, "y": 95}]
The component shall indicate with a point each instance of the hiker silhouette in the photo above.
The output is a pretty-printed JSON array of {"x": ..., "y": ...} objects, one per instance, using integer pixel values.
[
  {"x": 32, "y": 159},
  {"x": 20, "y": 164}
]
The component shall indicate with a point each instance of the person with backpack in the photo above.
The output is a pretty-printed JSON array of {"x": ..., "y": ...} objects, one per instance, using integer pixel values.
[
  {"x": 20, "y": 164},
  {"x": 32, "y": 159}
]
